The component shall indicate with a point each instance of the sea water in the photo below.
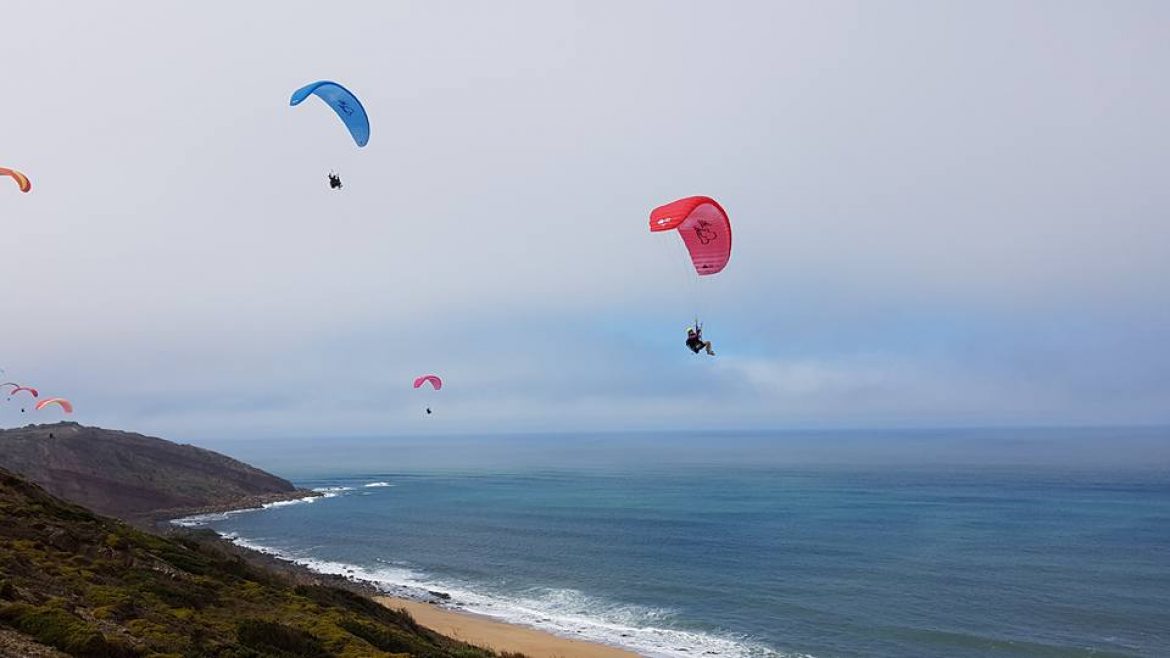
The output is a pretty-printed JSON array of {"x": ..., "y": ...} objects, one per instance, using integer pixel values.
[{"x": 925, "y": 543}]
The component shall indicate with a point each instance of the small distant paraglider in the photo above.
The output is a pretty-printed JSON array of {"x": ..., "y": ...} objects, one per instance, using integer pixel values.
[
  {"x": 435, "y": 382},
  {"x": 21, "y": 180},
  {"x": 17, "y": 388},
  {"x": 65, "y": 405},
  {"x": 30, "y": 390}
]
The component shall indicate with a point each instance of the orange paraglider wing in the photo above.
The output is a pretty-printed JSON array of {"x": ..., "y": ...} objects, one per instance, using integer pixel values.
[
  {"x": 21, "y": 180},
  {"x": 60, "y": 402}
]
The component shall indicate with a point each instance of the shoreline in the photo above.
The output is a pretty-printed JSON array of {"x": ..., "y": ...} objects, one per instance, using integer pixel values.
[
  {"x": 475, "y": 629},
  {"x": 169, "y": 517},
  {"x": 491, "y": 633}
]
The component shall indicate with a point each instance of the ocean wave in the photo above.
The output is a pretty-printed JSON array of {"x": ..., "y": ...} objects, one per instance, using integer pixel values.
[
  {"x": 564, "y": 612},
  {"x": 377, "y": 484},
  {"x": 197, "y": 520},
  {"x": 332, "y": 490},
  {"x": 399, "y": 581},
  {"x": 645, "y": 630},
  {"x": 296, "y": 501}
]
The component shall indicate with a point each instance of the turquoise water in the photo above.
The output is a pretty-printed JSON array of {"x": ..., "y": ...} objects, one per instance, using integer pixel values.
[{"x": 1023, "y": 543}]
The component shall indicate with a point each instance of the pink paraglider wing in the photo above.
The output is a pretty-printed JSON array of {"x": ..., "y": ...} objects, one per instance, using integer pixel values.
[
  {"x": 66, "y": 405},
  {"x": 18, "y": 389},
  {"x": 432, "y": 379},
  {"x": 704, "y": 227}
]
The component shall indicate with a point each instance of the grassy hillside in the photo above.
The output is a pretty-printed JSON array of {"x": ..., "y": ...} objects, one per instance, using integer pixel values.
[{"x": 75, "y": 583}]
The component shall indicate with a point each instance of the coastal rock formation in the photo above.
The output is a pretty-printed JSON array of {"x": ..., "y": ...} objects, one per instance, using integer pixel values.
[{"x": 132, "y": 476}]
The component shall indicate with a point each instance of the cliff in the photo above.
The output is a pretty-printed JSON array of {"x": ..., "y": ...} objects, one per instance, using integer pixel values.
[{"x": 134, "y": 477}]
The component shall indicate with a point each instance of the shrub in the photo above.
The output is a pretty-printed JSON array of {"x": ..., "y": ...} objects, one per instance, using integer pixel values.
[
  {"x": 179, "y": 594},
  {"x": 271, "y": 638},
  {"x": 331, "y": 597},
  {"x": 59, "y": 628},
  {"x": 388, "y": 639}
]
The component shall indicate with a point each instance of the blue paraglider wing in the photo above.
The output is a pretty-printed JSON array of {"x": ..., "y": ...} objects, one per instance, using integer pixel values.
[{"x": 345, "y": 104}]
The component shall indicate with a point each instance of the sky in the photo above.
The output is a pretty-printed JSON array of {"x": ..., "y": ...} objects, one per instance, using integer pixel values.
[{"x": 945, "y": 214}]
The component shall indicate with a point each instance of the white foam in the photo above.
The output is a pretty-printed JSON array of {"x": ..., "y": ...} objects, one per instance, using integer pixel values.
[
  {"x": 565, "y": 612},
  {"x": 296, "y": 501},
  {"x": 378, "y": 484},
  {"x": 332, "y": 490},
  {"x": 203, "y": 519},
  {"x": 394, "y": 580},
  {"x": 198, "y": 520},
  {"x": 571, "y": 613}
]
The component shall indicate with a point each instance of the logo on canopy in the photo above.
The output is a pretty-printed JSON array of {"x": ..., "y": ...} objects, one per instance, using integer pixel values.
[{"x": 706, "y": 235}]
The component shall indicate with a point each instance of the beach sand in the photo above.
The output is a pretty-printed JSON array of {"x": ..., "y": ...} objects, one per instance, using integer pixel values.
[{"x": 491, "y": 634}]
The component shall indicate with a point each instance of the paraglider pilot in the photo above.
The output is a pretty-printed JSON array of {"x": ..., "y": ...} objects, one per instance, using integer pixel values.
[
  {"x": 695, "y": 340},
  {"x": 334, "y": 181}
]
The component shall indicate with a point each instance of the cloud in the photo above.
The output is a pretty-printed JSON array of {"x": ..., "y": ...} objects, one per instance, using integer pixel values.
[{"x": 925, "y": 201}]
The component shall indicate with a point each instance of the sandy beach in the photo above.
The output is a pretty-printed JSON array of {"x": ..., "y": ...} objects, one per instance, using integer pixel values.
[{"x": 491, "y": 634}]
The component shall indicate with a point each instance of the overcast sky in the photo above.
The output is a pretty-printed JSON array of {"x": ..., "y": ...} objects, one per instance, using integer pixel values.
[{"x": 948, "y": 213}]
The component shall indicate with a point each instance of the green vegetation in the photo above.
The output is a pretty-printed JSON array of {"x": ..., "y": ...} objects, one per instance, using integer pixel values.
[
  {"x": 63, "y": 630},
  {"x": 95, "y": 587}
]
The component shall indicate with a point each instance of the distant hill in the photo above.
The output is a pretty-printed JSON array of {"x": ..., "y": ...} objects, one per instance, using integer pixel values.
[
  {"x": 134, "y": 477},
  {"x": 76, "y": 584}
]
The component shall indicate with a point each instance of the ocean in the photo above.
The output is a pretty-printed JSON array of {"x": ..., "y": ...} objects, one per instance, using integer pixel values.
[{"x": 1036, "y": 542}]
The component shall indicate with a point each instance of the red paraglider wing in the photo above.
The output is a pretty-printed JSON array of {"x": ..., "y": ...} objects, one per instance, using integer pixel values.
[
  {"x": 25, "y": 388},
  {"x": 704, "y": 227},
  {"x": 61, "y": 402},
  {"x": 433, "y": 379}
]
